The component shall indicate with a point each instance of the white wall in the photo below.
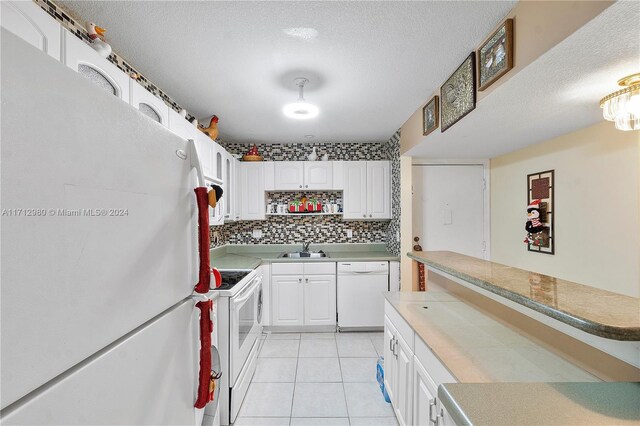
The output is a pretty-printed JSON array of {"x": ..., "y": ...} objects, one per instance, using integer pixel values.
[{"x": 597, "y": 208}]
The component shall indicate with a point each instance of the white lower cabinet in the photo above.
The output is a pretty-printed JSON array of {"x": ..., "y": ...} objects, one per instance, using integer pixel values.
[
  {"x": 398, "y": 373},
  {"x": 320, "y": 300},
  {"x": 424, "y": 396},
  {"x": 303, "y": 294},
  {"x": 287, "y": 296},
  {"x": 412, "y": 374}
]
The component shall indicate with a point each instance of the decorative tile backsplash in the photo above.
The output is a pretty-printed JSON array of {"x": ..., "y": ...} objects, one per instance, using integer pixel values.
[
  {"x": 300, "y": 151},
  {"x": 393, "y": 230},
  {"x": 319, "y": 229},
  {"x": 60, "y": 15}
]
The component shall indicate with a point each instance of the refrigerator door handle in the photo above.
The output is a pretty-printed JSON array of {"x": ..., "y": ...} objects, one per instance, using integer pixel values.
[{"x": 195, "y": 162}]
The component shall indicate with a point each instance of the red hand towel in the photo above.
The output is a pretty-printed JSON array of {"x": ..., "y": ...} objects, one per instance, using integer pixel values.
[
  {"x": 202, "y": 199},
  {"x": 206, "y": 327}
]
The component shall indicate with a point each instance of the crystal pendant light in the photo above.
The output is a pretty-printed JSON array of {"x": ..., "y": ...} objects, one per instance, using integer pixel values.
[{"x": 623, "y": 107}]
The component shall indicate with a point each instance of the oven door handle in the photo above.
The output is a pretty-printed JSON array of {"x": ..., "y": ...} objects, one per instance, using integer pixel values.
[{"x": 247, "y": 293}]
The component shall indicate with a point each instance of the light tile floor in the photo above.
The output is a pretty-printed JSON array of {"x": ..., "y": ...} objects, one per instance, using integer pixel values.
[{"x": 317, "y": 379}]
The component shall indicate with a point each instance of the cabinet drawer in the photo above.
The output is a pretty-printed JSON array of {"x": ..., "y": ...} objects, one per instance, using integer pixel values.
[
  {"x": 317, "y": 268},
  {"x": 296, "y": 268},
  {"x": 400, "y": 324},
  {"x": 436, "y": 370}
]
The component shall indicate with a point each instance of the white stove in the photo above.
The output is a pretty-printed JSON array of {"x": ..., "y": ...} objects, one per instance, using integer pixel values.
[{"x": 239, "y": 330}]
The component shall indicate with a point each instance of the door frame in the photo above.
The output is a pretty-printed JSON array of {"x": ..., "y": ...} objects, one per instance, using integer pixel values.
[{"x": 486, "y": 174}]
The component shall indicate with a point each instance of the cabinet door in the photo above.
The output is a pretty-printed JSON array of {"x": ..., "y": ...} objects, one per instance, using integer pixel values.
[
  {"x": 390, "y": 374},
  {"x": 148, "y": 104},
  {"x": 289, "y": 175},
  {"x": 378, "y": 190},
  {"x": 404, "y": 389},
  {"x": 318, "y": 175},
  {"x": 237, "y": 192},
  {"x": 287, "y": 300},
  {"x": 252, "y": 188},
  {"x": 219, "y": 154},
  {"x": 319, "y": 300},
  {"x": 230, "y": 187},
  {"x": 32, "y": 24},
  {"x": 355, "y": 190},
  {"x": 424, "y": 396},
  {"x": 80, "y": 57}
]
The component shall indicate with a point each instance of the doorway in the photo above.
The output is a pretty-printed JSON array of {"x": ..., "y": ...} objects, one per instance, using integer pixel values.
[{"x": 450, "y": 208}]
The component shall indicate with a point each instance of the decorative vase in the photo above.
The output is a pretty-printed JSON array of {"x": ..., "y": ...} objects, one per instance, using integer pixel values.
[
  {"x": 313, "y": 156},
  {"x": 325, "y": 157}
]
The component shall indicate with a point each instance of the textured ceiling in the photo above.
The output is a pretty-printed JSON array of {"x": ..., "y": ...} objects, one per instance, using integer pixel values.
[
  {"x": 557, "y": 94},
  {"x": 371, "y": 64}
]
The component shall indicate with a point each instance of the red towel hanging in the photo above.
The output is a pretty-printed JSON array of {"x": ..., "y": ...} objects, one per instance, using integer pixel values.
[
  {"x": 205, "y": 390},
  {"x": 202, "y": 199}
]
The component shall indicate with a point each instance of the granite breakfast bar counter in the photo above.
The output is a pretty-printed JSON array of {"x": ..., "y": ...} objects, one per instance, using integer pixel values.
[{"x": 583, "y": 307}]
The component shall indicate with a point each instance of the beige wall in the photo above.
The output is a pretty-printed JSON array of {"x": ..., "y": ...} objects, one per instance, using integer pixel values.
[
  {"x": 538, "y": 26},
  {"x": 597, "y": 208}
]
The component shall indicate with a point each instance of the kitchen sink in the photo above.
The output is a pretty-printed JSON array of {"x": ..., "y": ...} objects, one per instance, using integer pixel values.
[{"x": 305, "y": 254}]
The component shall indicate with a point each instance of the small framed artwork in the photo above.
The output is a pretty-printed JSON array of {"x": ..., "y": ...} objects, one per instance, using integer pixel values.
[
  {"x": 540, "y": 212},
  {"x": 430, "y": 118},
  {"x": 458, "y": 94},
  {"x": 495, "y": 56}
]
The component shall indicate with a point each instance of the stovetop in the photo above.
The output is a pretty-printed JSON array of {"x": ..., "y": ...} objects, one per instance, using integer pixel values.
[{"x": 230, "y": 278}]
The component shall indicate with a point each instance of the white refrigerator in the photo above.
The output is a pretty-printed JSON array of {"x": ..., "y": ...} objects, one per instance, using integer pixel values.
[{"x": 99, "y": 254}]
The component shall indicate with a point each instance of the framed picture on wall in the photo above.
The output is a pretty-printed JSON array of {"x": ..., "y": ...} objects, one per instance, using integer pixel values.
[
  {"x": 458, "y": 94},
  {"x": 495, "y": 56},
  {"x": 540, "y": 212},
  {"x": 430, "y": 118}
]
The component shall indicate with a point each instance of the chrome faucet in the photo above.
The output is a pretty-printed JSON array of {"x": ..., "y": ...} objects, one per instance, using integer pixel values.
[{"x": 305, "y": 246}]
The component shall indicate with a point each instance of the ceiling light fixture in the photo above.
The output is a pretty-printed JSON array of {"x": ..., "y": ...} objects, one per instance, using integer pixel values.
[
  {"x": 300, "y": 110},
  {"x": 623, "y": 107}
]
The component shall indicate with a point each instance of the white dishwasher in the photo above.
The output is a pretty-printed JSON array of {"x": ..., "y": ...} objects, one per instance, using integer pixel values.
[{"x": 360, "y": 298}]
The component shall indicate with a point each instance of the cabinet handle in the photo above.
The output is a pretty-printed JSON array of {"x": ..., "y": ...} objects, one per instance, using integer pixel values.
[
  {"x": 370, "y": 215},
  {"x": 306, "y": 186},
  {"x": 391, "y": 345},
  {"x": 299, "y": 280},
  {"x": 432, "y": 404},
  {"x": 364, "y": 215},
  {"x": 300, "y": 186},
  {"x": 306, "y": 280},
  {"x": 395, "y": 346}
]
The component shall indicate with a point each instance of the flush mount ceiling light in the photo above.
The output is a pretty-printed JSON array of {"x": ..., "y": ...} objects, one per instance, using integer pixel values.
[
  {"x": 300, "y": 110},
  {"x": 623, "y": 107}
]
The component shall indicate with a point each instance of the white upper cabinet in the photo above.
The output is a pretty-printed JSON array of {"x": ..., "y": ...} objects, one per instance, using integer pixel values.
[
  {"x": 289, "y": 175},
  {"x": 379, "y": 189},
  {"x": 237, "y": 191},
  {"x": 252, "y": 191},
  {"x": 269, "y": 175},
  {"x": 318, "y": 175},
  {"x": 219, "y": 156},
  {"x": 230, "y": 187},
  {"x": 297, "y": 175},
  {"x": 355, "y": 190},
  {"x": 367, "y": 190},
  {"x": 148, "y": 104},
  {"x": 29, "y": 22},
  {"x": 80, "y": 57}
]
